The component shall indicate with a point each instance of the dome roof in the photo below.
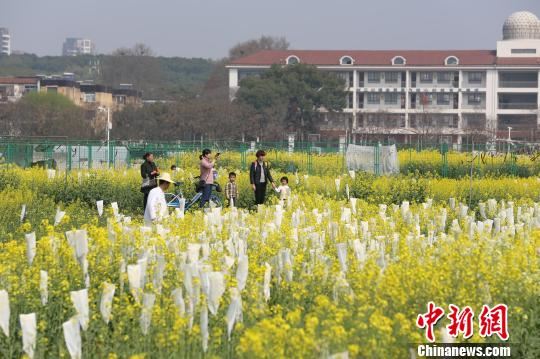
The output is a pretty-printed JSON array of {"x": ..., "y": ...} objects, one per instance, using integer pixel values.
[{"x": 521, "y": 25}]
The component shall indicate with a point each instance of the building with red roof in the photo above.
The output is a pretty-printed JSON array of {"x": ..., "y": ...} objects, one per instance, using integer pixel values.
[
  {"x": 13, "y": 89},
  {"x": 446, "y": 95}
]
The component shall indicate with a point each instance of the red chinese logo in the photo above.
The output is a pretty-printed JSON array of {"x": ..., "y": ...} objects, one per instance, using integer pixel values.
[
  {"x": 460, "y": 321},
  {"x": 491, "y": 321},
  {"x": 494, "y": 321},
  {"x": 429, "y": 319}
]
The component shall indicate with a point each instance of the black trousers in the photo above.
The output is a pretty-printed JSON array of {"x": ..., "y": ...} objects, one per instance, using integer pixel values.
[
  {"x": 260, "y": 192},
  {"x": 145, "y": 200},
  {"x": 146, "y": 192}
]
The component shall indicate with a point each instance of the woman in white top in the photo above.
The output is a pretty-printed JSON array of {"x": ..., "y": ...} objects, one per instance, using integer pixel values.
[{"x": 156, "y": 207}]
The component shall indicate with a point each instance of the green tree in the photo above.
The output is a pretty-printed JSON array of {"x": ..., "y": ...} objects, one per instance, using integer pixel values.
[
  {"x": 163, "y": 78},
  {"x": 300, "y": 91},
  {"x": 46, "y": 114},
  {"x": 255, "y": 45},
  {"x": 135, "y": 66},
  {"x": 217, "y": 84}
]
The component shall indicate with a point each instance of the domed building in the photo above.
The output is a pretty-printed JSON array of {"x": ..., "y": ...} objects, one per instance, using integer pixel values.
[
  {"x": 521, "y": 25},
  {"x": 521, "y": 36},
  {"x": 451, "y": 96}
]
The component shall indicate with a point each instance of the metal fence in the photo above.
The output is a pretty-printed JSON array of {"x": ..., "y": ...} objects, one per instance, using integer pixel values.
[
  {"x": 309, "y": 157},
  {"x": 66, "y": 154}
]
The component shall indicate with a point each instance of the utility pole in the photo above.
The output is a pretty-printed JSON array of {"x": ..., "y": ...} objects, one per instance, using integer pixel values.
[{"x": 109, "y": 128}]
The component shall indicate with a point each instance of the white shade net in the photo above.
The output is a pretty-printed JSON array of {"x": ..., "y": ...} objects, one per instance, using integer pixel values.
[{"x": 374, "y": 159}]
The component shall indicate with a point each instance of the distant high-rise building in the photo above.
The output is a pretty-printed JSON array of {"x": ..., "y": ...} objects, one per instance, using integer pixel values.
[
  {"x": 76, "y": 46},
  {"x": 5, "y": 41}
]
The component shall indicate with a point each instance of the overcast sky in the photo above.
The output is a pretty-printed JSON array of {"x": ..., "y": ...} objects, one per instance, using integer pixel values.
[{"x": 208, "y": 28}]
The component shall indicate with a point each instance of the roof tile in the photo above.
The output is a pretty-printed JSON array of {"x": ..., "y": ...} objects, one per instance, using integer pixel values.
[
  {"x": 382, "y": 57},
  {"x": 18, "y": 80}
]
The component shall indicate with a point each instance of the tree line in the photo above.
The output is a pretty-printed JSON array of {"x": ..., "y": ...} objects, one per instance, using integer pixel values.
[
  {"x": 282, "y": 100},
  {"x": 159, "y": 78}
]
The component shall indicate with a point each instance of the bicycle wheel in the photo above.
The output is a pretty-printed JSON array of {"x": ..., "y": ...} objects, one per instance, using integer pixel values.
[
  {"x": 194, "y": 202},
  {"x": 172, "y": 200},
  {"x": 215, "y": 201}
]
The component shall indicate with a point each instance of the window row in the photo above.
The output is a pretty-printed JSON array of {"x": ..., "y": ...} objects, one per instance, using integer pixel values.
[
  {"x": 423, "y": 77},
  {"x": 393, "y": 77},
  {"x": 396, "y": 60},
  {"x": 425, "y": 121},
  {"x": 389, "y": 76},
  {"x": 417, "y": 101}
]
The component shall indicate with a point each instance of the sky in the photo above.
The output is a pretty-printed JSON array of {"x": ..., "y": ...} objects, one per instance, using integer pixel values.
[{"x": 208, "y": 28}]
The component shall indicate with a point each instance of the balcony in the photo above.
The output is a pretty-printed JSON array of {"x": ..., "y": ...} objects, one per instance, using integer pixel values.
[
  {"x": 474, "y": 79},
  {"x": 474, "y": 84},
  {"x": 474, "y": 122},
  {"x": 518, "y": 101},
  {"x": 518, "y": 84},
  {"x": 518, "y": 79},
  {"x": 434, "y": 101},
  {"x": 480, "y": 106},
  {"x": 517, "y": 122},
  {"x": 518, "y": 106}
]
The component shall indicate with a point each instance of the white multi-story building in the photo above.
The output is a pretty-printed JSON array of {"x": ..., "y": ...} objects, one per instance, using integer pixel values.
[
  {"x": 446, "y": 94},
  {"x": 75, "y": 46},
  {"x": 5, "y": 41}
]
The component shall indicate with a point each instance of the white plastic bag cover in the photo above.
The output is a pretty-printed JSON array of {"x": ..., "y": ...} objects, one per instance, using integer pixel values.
[
  {"x": 267, "y": 279},
  {"x": 146, "y": 314},
  {"x": 234, "y": 312},
  {"x": 105, "y": 305},
  {"x": 99, "y": 205},
  {"x": 4, "y": 312},
  {"x": 204, "y": 328},
  {"x": 178, "y": 300},
  {"x": 44, "y": 286},
  {"x": 58, "y": 217},
  {"x": 72, "y": 336},
  {"x": 80, "y": 302},
  {"x": 216, "y": 290},
  {"x": 30, "y": 246},
  {"x": 29, "y": 333},
  {"x": 242, "y": 272},
  {"x": 23, "y": 212}
]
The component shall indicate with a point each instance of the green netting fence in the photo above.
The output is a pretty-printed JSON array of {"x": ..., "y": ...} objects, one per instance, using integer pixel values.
[{"x": 308, "y": 157}]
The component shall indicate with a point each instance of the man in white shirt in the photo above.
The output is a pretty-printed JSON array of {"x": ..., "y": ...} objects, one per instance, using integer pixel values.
[{"x": 156, "y": 208}]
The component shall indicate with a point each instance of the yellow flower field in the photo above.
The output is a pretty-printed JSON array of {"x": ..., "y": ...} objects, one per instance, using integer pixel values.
[{"x": 325, "y": 274}]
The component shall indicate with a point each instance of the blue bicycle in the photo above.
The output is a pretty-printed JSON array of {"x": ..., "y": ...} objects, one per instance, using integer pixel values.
[{"x": 175, "y": 199}]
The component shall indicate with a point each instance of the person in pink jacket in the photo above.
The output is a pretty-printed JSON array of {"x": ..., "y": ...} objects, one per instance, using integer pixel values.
[{"x": 207, "y": 174}]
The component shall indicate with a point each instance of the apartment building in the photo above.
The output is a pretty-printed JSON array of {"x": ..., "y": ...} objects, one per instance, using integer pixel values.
[
  {"x": 5, "y": 41},
  {"x": 74, "y": 46},
  {"x": 12, "y": 89},
  {"x": 445, "y": 95},
  {"x": 90, "y": 95}
]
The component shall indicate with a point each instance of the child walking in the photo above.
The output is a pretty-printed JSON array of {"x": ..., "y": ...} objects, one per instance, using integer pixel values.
[
  {"x": 231, "y": 190},
  {"x": 284, "y": 190}
]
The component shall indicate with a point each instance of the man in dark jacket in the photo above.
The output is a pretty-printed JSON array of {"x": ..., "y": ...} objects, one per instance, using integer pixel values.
[{"x": 260, "y": 176}]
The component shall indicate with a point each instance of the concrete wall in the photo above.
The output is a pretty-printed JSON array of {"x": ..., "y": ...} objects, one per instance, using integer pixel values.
[{"x": 504, "y": 48}]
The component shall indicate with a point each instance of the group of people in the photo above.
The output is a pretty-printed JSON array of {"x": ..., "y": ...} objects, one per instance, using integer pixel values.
[
  {"x": 259, "y": 177},
  {"x": 155, "y": 184}
]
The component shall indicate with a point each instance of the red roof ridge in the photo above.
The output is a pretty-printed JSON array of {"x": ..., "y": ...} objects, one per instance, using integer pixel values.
[
  {"x": 373, "y": 50},
  {"x": 423, "y": 57}
]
